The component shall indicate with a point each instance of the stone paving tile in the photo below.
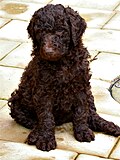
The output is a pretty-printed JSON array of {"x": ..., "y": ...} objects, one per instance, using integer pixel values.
[
  {"x": 88, "y": 157},
  {"x": 109, "y": 63},
  {"x": 9, "y": 79},
  {"x": 15, "y": 30},
  {"x": 101, "y": 40},
  {"x": 33, "y": 1},
  {"x": 6, "y": 47},
  {"x": 94, "y": 18},
  {"x": 19, "y": 57},
  {"x": 66, "y": 141},
  {"x": 99, "y": 4},
  {"x": 103, "y": 100},
  {"x": 116, "y": 152},
  {"x": 17, "y": 151},
  {"x": 114, "y": 22},
  {"x": 3, "y": 21},
  {"x": 105, "y": 40},
  {"x": 18, "y": 10},
  {"x": 11, "y": 131},
  {"x": 2, "y": 103}
]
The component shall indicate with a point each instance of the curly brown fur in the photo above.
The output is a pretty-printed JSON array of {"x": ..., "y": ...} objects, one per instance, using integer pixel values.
[{"x": 55, "y": 86}]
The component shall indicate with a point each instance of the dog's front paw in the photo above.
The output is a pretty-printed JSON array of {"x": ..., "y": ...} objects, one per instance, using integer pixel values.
[
  {"x": 43, "y": 141},
  {"x": 84, "y": 134}
]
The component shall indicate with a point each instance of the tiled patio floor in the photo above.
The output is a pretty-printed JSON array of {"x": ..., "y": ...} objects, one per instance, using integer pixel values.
[{"x": 102, "y": 38}]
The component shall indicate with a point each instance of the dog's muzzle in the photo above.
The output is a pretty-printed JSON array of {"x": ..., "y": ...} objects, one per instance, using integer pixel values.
[{"x": 48, "y": 51}]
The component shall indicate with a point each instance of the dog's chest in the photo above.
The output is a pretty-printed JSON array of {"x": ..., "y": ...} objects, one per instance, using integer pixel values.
[
  {"x": 56, "y": 73},
  {"x": 58, "y": 78}
]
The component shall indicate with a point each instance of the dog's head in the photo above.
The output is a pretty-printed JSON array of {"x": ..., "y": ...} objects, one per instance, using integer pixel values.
[{"x": 54, "y": 30}]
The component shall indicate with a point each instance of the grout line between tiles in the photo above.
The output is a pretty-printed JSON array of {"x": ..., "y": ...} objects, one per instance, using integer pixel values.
[
  {"x": 113, "y": 148},
  {"x": 3, "y": 106},
  {"x": 10, "y": 52},
  {"x": 111, "y": 29},
  {"x": 101, "y": 28},
  {"x": 3, "y": 99},
  {"x": 108, "y": 20},
  {"x": 95, "y": 57},
  {"x": 11, "y": 66},
  {"x": 77, "y": 156},
  {"x": 107, "y": 52},
  {"x": 104, "y": 80},
  {"x": 103, "y": 51},
  {"x": 116, "y": 6},
  {"x": 6, "y": 22}
]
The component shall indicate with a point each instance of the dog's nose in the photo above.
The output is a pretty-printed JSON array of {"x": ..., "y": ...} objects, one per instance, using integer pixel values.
[
  {"x": 48, "y": 49},
  {"x": 49, "y": 53}
]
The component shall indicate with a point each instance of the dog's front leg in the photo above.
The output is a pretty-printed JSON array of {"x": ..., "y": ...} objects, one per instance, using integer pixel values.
[
  {"x": 82, "y": 132},
  {"x": 43, "y": 135}
]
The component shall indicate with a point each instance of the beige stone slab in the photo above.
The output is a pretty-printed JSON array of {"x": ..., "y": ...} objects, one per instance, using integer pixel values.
[
  {"x": 15, "y": 30},
  {"x": 33, "y": 1},
  {"x": 95, "y": 18},
  {"x": 2, "y": 103},
  {"x": 99, "y": 4},
  {"x": 103, "y": 100},
  {"x": 9, "y": 80},
  {"x": 3, "y": 21},
  {"x": 102, "y": 40},
  {"x": 114, "y": 23},
  {"x": 18, "y": 9},
  {"x": 9, "y": 129},
  {"x": 100, "y": 147},
  {"x": 18, "y": 151},
  {"x": 116, "y": 152},
  {"x": 106, "y": 67},
  {"x": 88, "y": 157},
  {"x": 19, "y": 57},
  {"x": 6, "y": 47}
]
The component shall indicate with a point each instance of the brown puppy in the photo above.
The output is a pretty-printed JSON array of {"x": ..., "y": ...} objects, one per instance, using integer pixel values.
[{"x": 55, "y": 86}]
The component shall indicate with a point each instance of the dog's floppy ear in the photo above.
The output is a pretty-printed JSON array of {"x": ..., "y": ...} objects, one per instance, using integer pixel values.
[
  {"x": 77, "y": 25},
  {"x": 30, "y": 29}
]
